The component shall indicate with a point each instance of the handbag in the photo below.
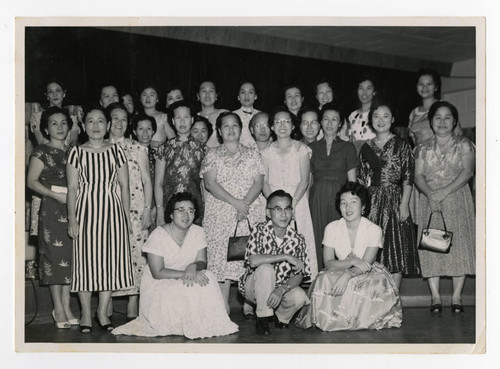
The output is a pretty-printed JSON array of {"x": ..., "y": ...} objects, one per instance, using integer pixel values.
[
  {"x": 436, "y": 240},
  {"x": 237, "y": 245}
]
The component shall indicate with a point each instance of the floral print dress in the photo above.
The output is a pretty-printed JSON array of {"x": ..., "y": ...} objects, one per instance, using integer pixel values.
[
  {"x": 138, "y": 236},
  {"x": 182, "y": 168},
  {"x": 235, "y": 174},
  {"x": 55, "y": 246}
]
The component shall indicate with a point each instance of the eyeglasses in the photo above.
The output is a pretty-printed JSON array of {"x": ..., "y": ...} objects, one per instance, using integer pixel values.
[
  {"x": 261, "y": 125},
  {"x": 283, "y": 122},
  {"x": 306, "y": 123},
  {"x": 280, "y": 211},
  {"x": 190, "y": 211}
]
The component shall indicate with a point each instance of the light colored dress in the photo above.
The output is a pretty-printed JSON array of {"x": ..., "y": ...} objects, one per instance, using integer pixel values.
[
  {"x": 357, "y": 130},
  {"x": 138, "y": 236},
  {"x": 284, "y": 174},
  {"x": 370, "y": 301},
  {"x": 458, "y": 210},
  {"x": 167, "y": 306},
  {"x": 246, "y": 136},
  {"x": 235, "y": 174}
]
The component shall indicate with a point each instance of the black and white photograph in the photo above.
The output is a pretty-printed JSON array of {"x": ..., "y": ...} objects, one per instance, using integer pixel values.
[{"x": 250, "y": 185}]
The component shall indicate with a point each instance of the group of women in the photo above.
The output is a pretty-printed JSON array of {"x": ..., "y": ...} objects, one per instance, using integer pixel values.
[{"x": 139, "y": 201}]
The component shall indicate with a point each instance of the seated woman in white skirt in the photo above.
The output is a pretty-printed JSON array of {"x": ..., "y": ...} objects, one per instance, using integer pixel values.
[
  {"x": 354, "y": 292},
  {"x": 178, "y": 296}
]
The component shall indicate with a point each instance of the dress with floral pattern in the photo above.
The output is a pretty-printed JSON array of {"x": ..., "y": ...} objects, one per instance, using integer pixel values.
[
  {"x": 284, "y": 174},
  {"x": 235, "y": 174},
  {"x": 386, "y": 171},
  {"x": 457, "y": 208},
  {"x": 182, "y": 168},
  {"x": 138, "y": 236},
  {"x": 55, "y": 246}
]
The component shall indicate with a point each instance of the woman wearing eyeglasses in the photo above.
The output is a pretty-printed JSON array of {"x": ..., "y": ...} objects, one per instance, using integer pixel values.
[
  {"x": 178, "y": 296},
  {"x": 287, "y": 167},
  {"x": 233, "y": 176}
]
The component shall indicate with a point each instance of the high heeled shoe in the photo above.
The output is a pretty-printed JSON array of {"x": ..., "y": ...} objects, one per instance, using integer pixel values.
[
  {"x": 60, "y": 325},
  {"x": 74, "y": 321},
  {"x": 104, "y": 327},
  {"x": 457, "y": 308},
  {"x": 436, "y": 308}
]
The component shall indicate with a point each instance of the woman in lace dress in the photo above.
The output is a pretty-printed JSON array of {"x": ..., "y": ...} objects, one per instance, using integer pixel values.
[
  {"x": 444, "y": 165},
  {"x": 233, "y": 176}
]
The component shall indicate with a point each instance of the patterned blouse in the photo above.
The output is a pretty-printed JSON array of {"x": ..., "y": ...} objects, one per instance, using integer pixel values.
[{"x": 262, "y": 241}]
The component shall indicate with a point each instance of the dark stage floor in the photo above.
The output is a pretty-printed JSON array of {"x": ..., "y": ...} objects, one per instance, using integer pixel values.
[{"x": 419, "y": 326}]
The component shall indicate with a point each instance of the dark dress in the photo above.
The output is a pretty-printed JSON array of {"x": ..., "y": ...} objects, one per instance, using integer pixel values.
[
  {"x": 55, "y": 246},
  {"x": 385, "y": 172},
  {"x": 329, "y": 175},
  {"x": 182, "y": 169}
]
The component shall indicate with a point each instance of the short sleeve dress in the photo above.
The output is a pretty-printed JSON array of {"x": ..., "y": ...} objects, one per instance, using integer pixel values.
[
  {"x": 235, "y": 174},
  {"x": 182, "y": 168},
  {"x": 386, "y": 171},
  {"x": 167, "y": 307},
  {"x": 458, "y": 209},
  {"x": 138, "y": 236},
  {"x": 55, "y": 246},
  {"x": 370, "y": 301},
  {"x": 329, "y": 175},
  {"x": 101, "y": 253},
  {"x": 284, "y": 174}
]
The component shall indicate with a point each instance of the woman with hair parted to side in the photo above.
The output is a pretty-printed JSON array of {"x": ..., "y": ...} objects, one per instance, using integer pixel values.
[
  {"x": 47, "y": 177},
  {"x": 387, "y": 168},
  {"x": 443, "y": 167},
  {"x": 287, "y": 166},
  {"x": 98, "y": 219},
  {"x": 141, "y": 195},
  {"x": 178, "y": 295},
  {"x": 233, "y": 176},
  {"x": 354, "y": 292}
]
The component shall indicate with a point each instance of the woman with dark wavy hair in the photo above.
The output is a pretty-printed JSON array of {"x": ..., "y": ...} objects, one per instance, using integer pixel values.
[
  {"x": 354, "y": 292},
  {"x": 178, "y": 295}
]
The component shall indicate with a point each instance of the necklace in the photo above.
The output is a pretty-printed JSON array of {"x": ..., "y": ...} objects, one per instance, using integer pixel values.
[
  {"x": 173, "y": 235},
  {"x": 382, "y": 143},
  {"x": 95, "y": 146}
]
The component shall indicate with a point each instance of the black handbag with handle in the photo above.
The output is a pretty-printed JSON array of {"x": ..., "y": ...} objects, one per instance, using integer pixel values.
[
  {"x": 237, "y": 245},
  {"x": 437, "y": 240}
]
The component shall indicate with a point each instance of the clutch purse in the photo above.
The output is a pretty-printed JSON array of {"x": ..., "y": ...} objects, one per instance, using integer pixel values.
[
  {"x": 436, "y": 240},
  {"x": 237, "y": 245}
]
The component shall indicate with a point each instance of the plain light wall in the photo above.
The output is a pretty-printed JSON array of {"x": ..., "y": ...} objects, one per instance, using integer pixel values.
[{"x": 460, "y": 90}]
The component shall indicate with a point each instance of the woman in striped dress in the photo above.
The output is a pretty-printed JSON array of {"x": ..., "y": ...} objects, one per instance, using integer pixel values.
[{"x": 98, "y": 216}]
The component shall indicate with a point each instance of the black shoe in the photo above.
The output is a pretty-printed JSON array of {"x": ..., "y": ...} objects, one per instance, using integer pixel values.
[
  {"x": 262, "y": 327},
  {"x": 436, "y": 308},
  {"x": 457, "y": 308},
  {"x": 104, "y": 327},
  {"x": 279, "y": 324},
  {"x": 85, "y": 329},
  {"x": 249, "y": 317}
]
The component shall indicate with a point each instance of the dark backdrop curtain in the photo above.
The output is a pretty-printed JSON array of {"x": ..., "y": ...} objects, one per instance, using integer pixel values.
[{"x": 86, "y": 58}]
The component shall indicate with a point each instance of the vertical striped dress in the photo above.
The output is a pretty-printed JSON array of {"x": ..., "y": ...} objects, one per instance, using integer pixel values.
[{"x": 101, "y": 253}]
